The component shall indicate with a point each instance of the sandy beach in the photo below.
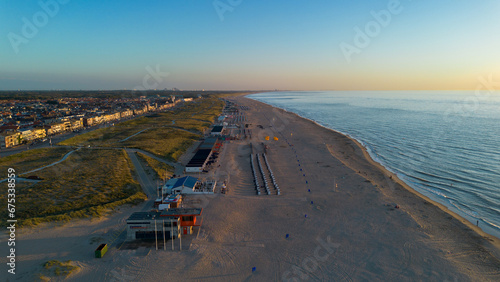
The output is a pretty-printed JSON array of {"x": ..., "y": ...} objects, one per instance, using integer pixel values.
[{"x": 347, "y": 219}]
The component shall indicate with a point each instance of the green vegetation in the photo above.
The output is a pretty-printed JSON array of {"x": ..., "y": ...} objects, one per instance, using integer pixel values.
[
  {"x": 166, "y": 134},
  {"x": 159, "y": 167},
  {"x": 169, "y": 143},
  {"x": 58, "y": 268},
  {"x": 192, "y": 125},
  {"x": 32, "y": 159},
  {"x": 87, "y": 183}
]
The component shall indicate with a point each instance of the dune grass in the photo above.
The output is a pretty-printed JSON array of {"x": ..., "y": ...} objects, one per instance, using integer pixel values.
[
  {"x": 106, "y": 137},
  {"x": 168, "y": 143},
  {"x": 162, "y": 169},
  {"x": 87, "y": 183},
  {"x": 193, "y": 125},
  {"x": 58, "y": 268},
  {"x": 31, "y": 159}
]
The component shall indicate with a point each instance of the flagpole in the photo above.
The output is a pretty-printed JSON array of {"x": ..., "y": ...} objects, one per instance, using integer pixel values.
[
  {"x": 156, "y": 237},
  {"x": 164, "y": 243}
]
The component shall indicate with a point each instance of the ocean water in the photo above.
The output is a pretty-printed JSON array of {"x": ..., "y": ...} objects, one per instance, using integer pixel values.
[{"x": 444, "y": 144}]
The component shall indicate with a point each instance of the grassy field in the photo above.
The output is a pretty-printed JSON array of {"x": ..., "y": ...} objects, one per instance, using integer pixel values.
[
  {"x": 162, "y": 169},
  {"x": 195, "y": 126},
  {"x": 169, "y": 143},
  {"x": 109, "y": 136},
  {"x": 87, "y": 183},
  {"x": 166, "y": 134},
  {"x": 57, "y": 268},
  {"x": 31, "y": 159}
]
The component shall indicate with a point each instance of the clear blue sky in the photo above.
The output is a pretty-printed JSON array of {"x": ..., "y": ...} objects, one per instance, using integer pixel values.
[{"x": 284, "y": 44}]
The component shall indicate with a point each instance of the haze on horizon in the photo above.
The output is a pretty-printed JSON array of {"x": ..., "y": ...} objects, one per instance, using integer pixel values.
[{"x": 244, "y": 44}]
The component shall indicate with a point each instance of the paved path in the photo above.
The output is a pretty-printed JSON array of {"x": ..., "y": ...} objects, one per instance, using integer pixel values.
[
  {"x": 179, "y": 169},
  {"x": 134, "y": 134},
  {"x": 49, "y": 165},
  {"x": 146, "y": 183}
]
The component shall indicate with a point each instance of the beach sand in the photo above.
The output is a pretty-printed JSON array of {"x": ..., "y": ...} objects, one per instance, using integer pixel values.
[{"x": 350, "y": 232}]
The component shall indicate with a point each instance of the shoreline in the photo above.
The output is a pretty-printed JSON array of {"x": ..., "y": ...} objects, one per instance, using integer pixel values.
[{"x": 491, "y": 239}]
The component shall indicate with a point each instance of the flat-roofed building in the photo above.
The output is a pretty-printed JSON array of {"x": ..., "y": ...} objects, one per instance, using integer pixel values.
[
  {"x": 54, "y": 128},
  {"x": 189, "y": 218},
  {"x": 11, "y": 139},
  {"x": 142, "y": 225},
  {"x": 26, "y": 135},
  {"x": 199, "y": 160},
  {"x": 217, "y": 130},
  {"x": 175, "y": 222},
  {"x": 39, "y": 133},
  {"x": 126, "y": 113},
  {"x": 173, "y": 200},
  {"x": 209, "y": 143},
  {"x": 76, "y": 124}
]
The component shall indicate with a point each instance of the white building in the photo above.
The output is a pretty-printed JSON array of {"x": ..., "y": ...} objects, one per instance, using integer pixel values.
[
  {"x": 187, "y": 185},
  {"x": 183, "y": 185}
]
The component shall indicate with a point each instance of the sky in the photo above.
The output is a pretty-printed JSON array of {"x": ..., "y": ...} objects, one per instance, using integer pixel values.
[{"x": 248, "y": 44}]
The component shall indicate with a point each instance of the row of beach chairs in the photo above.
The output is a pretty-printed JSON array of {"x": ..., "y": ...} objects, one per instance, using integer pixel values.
[
  {"x": 272, "y": 175},
  {"x": 255, "y": 178},
  {"x": 263, "y": 175}
]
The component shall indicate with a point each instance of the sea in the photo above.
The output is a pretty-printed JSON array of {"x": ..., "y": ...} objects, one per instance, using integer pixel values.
[{"x": 444, "y": 144}]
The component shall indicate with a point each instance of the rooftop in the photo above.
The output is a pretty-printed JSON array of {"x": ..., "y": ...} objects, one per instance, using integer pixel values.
[
  {"x": 186, "y": 181},
  {"x": 149, "y": 216},
  {"x": 172, "y": 198},
  {"x": 199, "y": 158},
  {"x": 217, "y": 128},
  {"x": 209, "y": 143},
  {"x": 182, "y": 211}
]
